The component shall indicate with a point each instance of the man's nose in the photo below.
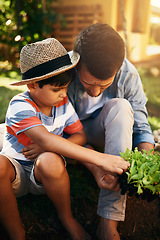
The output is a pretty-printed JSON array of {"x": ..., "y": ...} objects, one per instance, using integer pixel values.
[{"x": 95, "y": 91}]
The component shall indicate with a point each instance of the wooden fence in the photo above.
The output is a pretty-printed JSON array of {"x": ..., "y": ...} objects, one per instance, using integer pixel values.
[{"x": 72, "y": 19}]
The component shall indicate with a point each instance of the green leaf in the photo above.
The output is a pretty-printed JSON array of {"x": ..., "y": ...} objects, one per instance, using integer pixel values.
[
  {"x": 144, "y": 172},
  {"x": 139, "y": 191},
  {"x": 153, "y": 169},
  {"x": 151, "y": 188}
]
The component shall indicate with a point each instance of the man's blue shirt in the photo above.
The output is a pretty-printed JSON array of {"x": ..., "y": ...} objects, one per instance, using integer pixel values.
[{"x": 127, "y": 84}]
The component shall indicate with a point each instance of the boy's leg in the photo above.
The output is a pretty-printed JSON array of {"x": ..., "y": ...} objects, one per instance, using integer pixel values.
[
  {"x": 113, "y": 129},
  {"x": 9, "y": 215},
  {"x": 51, "y": 172}
]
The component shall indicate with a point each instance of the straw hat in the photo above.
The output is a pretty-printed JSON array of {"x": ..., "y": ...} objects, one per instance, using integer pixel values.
[{"x": 44, "y": 59}]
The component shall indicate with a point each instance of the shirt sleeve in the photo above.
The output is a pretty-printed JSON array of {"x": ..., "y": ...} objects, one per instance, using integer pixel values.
[
  {"x": 73, "y": 123},
  {"x": 22, "y": 115},
  {"x": 133, "y": 92}
]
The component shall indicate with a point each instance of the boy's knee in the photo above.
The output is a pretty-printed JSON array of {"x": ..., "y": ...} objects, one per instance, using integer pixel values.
[
  {"x": 50, "y": 164},
  {"x": 6, "y": 168},
  {"x": 3, "y": 167}
]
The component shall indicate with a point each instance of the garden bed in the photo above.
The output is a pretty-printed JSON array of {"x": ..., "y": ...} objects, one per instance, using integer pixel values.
[{"x": 41, "y": 223}]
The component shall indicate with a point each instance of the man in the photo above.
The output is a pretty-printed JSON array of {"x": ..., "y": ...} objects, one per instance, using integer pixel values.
[{"x": 109, "y": 99}]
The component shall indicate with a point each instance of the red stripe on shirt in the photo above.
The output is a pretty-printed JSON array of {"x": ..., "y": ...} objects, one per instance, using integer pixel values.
[
  {"x": 21, "y": 138},
  {"x": 63, "y": 102},
  {"x": 25, "y": 123},
  {"x": 27, "y": 100},
  {"x": 33, "y": 104},
  {"x": 73, "y": 128}
]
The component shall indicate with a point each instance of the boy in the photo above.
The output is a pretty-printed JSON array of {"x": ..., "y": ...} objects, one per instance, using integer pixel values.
[{"x": 40, "y": 115}]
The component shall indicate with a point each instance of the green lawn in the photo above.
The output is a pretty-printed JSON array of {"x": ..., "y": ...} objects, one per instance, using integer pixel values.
[
  {"x": 151, "y": 86},
  {"x": 7, "y": 92}
]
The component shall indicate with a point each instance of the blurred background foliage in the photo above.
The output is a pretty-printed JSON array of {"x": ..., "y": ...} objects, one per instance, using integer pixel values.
[
  {"x": 22, "y": 22},
  {"x": 26, "y": 21}
]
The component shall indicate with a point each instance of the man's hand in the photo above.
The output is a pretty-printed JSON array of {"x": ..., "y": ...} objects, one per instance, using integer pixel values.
[
  {"x": 110, "y": 182},
  {"x": 106, "y": 180},
  {"x": 32, "y": 151},
  {"x": 145, "y": 145}
]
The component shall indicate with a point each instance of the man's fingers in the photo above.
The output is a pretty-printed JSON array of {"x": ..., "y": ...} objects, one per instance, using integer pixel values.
[
  {"x": 108, "y": 178},
  {"x": 116, "y": 188},
  {"x": 110, "y": 182}
]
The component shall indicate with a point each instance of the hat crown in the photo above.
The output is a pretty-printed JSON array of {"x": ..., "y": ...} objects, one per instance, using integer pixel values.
[{"x": 40, "y": 52}]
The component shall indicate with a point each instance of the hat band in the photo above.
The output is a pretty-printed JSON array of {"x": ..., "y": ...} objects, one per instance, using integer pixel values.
[{"x": 47, "y": 67}]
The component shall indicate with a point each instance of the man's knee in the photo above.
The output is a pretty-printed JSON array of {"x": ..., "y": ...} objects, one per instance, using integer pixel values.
[
  {"x": 119, "y": 104},
  {"x": 120, "y": 110},
  {"x": 50, "y": 165}
]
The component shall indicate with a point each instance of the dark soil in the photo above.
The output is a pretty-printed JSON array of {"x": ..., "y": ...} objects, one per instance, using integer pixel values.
[
  {"x": 41, "y": 223},
  {"x": 142, "y": 220}
]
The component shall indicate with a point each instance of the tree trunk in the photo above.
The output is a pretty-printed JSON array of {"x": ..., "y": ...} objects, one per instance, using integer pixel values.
[{"x": 121, "y": 3}]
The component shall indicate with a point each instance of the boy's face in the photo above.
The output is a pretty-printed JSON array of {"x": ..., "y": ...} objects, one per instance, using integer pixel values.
[{"x": 48, "y": 95}]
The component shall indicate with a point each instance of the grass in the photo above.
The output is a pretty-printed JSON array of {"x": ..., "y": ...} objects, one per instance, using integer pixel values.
[
  {"x": 151, "y": 86},
  {"x": 5, "y": 95},
  {"x": 7, "y": 92}
]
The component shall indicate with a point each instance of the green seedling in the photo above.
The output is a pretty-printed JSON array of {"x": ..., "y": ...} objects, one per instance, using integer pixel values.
[{"x": 143, "y": 173}]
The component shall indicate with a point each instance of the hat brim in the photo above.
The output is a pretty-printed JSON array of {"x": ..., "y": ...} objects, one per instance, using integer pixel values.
[{"x": 75, "y": 57}]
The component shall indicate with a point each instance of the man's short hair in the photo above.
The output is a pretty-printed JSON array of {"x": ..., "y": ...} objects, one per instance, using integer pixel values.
[{"x": 101, "y": 50}]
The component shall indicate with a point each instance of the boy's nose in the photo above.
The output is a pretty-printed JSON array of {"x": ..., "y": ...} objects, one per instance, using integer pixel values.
[{"x": 63, "y": 93}]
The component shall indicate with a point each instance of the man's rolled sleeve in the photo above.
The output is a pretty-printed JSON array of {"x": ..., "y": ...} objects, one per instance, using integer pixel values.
[
  {"x": 133, "y": 92},
  {"x": 142, "y": 137}
]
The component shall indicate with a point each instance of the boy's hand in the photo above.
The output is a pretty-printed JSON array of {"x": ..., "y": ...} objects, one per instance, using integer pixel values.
[
  {"x": 114, "y": 164},
  {"x": 32, "y": 151}
]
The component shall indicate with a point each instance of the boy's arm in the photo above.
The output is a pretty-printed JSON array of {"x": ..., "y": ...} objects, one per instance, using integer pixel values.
[
  {"x": 78, "y": 137},
  {"x": 33, "y": 150},
  {"x": 54, "y": 143}
]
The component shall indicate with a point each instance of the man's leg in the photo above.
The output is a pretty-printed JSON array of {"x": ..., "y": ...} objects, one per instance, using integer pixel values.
[
  {"x": 51, "y": 172},
  {"x": 9, "y": 215},
  {"x": 107, "y": 229},
  {"x": 113, "y": 129}
]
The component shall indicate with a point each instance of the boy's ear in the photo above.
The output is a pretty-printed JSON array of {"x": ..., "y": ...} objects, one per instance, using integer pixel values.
[{"x": 32, "y": 86}]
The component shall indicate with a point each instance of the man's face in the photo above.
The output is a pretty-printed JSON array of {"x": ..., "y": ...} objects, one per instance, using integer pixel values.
[{"x": 93, "y": 86}]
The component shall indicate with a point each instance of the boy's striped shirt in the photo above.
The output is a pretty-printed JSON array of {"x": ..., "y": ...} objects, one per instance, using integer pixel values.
[{"x": 23, "y": 113}]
